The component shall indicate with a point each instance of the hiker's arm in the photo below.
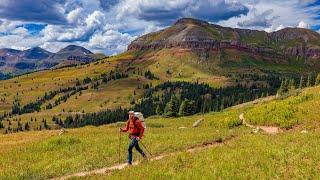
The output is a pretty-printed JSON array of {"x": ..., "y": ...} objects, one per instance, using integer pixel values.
[
  {"x": 140, "y": 126},
  {"x": 126, "y": 128}
]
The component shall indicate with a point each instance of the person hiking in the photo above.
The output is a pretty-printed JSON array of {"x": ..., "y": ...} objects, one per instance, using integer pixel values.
[{"x": 136, "y": 130}]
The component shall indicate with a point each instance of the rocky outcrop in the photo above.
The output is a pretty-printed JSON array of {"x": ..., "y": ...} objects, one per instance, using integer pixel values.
[
  {"x": 205, "y": 44},
  {"x": 196, "y": 34},
  {"x": 302, "y": 51},
  {"x": 313, "y": 52}
]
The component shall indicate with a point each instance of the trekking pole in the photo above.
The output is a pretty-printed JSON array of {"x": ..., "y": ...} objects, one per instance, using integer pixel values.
[
  {"x": 146, "y": 148},
  {"x": 119, "y": 146}
]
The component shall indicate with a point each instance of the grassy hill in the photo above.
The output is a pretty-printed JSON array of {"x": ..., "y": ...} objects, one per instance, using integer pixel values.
[
  {"x": 189, "y": 51},
  {"x": 289, "y": 154}
]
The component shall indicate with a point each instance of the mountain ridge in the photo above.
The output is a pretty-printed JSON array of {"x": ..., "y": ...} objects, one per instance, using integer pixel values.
[
  {"x": 195, "y": 34},
  {"x": 16, "y": 62}
]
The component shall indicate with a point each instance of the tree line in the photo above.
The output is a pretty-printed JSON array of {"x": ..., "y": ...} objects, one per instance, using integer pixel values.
[
  {"x": 95, "y": 119},
  {"x": 185, "y": 98}
]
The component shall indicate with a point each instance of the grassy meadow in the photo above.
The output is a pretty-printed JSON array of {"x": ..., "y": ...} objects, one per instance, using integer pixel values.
[
  {"x": 166, "y": 65},
  {"x": 290, "y": 154}
]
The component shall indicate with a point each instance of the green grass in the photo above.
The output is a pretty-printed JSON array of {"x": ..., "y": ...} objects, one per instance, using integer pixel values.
[
  {"x": 245, "y": 61},
  {"x": 39, "y": 155},
  {"x": 44, "y": 154},
  {"x": 287, "y": 113},
  {"x": 252, "y": 156}
]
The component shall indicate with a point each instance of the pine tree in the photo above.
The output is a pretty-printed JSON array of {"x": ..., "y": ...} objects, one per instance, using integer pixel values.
[
  {"x": 301, "y": 84},
  {"x": 159, "y": 110},
  {"x": 171, "y": 109},
  {"x": 318, "y": 80},
  {"x": 309, "y": 80},
  {"x": 291, "y": 85},
  {"x": 45, "y": 124},
  {"x": 183, "y": 107},
  {"x": 207, "y": 103},
  {"x": 26, "y": 126}
]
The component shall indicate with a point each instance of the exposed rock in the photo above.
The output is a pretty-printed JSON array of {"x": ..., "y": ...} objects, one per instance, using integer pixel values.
[
  {"x": 304, "y": 132},
  {"x": 199, "y": 35},
  {"x": 197, "y": 123}
]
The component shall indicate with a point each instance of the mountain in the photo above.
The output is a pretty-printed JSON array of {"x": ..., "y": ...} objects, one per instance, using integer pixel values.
[
  {"x": 36, "y": 53},
  {"x": 280, "y": 47},
  {"x": 16, "y": 62},
  {"x": 191, "y": 59},
  {"x": 74, "y": 52}
]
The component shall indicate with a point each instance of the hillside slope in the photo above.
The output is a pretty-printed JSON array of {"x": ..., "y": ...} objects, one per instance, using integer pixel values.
[
  {"x": 190, "y": 51},
  {"x": 289, "y": 46},
  {"x": 248, "y": 155}
]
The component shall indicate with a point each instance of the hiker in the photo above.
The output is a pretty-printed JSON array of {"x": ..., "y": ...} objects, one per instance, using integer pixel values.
[{"x": 136, "y": 129}]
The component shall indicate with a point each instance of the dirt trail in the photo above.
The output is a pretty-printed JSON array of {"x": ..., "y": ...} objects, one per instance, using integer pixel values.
[
  {"x": 107, "y": 170},
  {"x": 265, "y": 99},
  {"x": 266, "y": 129}
]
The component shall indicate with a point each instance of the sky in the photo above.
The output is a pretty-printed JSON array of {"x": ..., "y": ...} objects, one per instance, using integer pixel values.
[{"x": 108, "y": 26}]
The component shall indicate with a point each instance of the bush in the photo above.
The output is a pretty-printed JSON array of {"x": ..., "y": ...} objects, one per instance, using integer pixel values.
[{"x": 281, "y": 113}]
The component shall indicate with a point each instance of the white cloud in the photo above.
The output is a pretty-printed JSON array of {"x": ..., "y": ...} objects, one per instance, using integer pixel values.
[
  {"x": 74, "y": 15},
  {"x": 274, "y": 28},
  {"x": 285, "y": 13},
  {"x": 304, "y": 25},
  {"x": 112, "y": 40},
  {"x": 111, "y": 29},
  {"x": 18, "y": 42},
  {"x": 20, "y": 31}
]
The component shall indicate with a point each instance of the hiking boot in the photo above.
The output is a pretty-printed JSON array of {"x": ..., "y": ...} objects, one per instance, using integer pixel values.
[
  {"x": 129, "y": 163},
  {"x": 145, "y": 157}
]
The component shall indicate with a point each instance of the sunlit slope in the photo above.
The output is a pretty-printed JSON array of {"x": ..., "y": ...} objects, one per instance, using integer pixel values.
[
  {"x": 247, "y": 155},
  {"x": 29, "y": 87},
  {"x": 166, "y": 65},
  {"x": 99, "y": 95}
]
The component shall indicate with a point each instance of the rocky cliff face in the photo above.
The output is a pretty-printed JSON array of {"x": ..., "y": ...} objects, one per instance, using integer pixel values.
[{"x": 196, "y": 34}]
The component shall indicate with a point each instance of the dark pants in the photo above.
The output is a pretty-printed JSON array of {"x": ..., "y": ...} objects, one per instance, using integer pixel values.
[{"x": 134, "y": 143}]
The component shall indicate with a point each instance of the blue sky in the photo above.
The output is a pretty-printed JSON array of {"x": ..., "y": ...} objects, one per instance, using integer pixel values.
[{"x": 108, "y": 26}]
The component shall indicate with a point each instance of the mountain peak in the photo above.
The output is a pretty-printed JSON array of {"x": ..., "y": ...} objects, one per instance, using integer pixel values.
[
  {"x": 191, "y": 21},
  {"x": 193, "y": 34},
  {"x": 75, "y": 48},
  {"x": 36, "y": 53}
]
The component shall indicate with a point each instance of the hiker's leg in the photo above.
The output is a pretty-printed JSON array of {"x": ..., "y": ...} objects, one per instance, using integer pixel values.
[
  {"x": 139, "y": 149},
  {"x": 131, "y": 145}
]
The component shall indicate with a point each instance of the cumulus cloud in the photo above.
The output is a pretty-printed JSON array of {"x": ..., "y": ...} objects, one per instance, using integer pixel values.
[
  {"x": 111, "y": 40},
  {"x": 110, "y": 25},
  {"x": 274, "y": 28},
  {"x": 271, "y": 16},
  {"x": 74, "y": 15},
  {"x": 32, "y": 10},
  {"x": 259, "y": 20},
  {"x": 304, "y": 25},
  {"x": 166, "y": 12}
]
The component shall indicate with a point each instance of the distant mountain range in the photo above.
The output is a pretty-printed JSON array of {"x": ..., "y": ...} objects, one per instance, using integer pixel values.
[{"x": 14, "y": 62}]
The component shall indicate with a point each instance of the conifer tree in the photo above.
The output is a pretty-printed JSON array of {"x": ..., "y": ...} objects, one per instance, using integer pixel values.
[
  {"x": 159, "y": 110},
  {"x": 183, "y": 108},
  {"x": 171, "y": 109},
  {"x": 26, "y": 126},
  {"x": 318, "y": 80},
  {"x": 309, "y": 80},
  {"x": 301, "y": 84}
]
